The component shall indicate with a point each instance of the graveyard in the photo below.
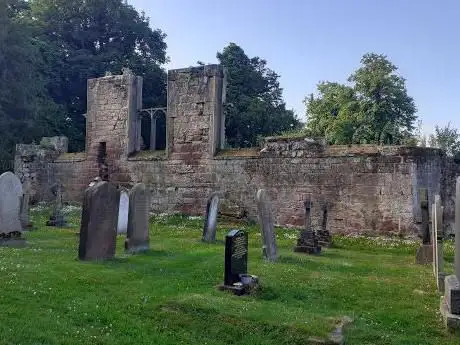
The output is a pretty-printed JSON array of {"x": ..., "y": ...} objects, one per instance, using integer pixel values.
[{"x": 167, "y": 294}]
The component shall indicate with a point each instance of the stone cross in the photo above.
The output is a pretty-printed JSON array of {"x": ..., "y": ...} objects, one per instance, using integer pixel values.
[
  {"x": 270, "y": 249},
  {"x": 122, "y": 226},
  {"x": 308, "y": 240},
  {"x": 10, "y": 202},
  {"x": 98, "y": 231},
  {"x": 137, "y": 238},
  {"x": 210, "y": 221},
  {"x": 424, "y": 253}
]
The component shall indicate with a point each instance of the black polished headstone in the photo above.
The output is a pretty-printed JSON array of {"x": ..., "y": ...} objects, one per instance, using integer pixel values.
[{"x": 236, "y": 256}]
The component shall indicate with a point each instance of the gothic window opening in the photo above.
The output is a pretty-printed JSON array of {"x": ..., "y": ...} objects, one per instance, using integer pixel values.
[{"x": 152, "y": 134}]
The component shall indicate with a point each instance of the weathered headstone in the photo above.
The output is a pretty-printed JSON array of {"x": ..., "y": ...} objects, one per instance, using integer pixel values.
[
  {"x": 210, "y": 221},
  {"x": 324, "y": 236},
  {"x": 98, "y": 231},
  {"x": 270, "y": 249},
  {"x": 450, "y": 303},
  {"x": 236, "y": 278},
  {"x": 424, "y": 253},
  {"x": 137, "y": 238},
  {"x": 123, "y": 209},
  {"x": 57, "y": 216},
  {"x": 308, "y": 240},
  {"x": 24, "y": 215},
  {"x": 10, "y": 203}
]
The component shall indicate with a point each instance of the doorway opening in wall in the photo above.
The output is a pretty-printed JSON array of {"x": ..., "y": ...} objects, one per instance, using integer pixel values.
[
  {"x": 102, "y": 162},
  {"x": 153, "y": 129}
]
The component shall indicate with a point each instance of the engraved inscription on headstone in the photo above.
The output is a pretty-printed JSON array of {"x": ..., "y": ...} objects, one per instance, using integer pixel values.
[{"x": 236, "y": 256}]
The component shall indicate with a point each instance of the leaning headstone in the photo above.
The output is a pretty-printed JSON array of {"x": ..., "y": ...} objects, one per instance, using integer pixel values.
[
  {"x": 424, "y": 254},
  {"x": 137, "y": 238},
  {"x": 24, "y": 215},
  {"x": 210, "y": 221},
  {"x": 270, "y": 250},
  {"x": 57, "y": 216},
  {"x": 122, "y": 226},
  {"x": 98, "y": 231},
  {"x": 308, "y": 240},
  {"x": 324, "y": 236},
  {"x": 10, "y": 202},
  {"x": 450, "y": 303},
  {"x": 236, "y": 277}
]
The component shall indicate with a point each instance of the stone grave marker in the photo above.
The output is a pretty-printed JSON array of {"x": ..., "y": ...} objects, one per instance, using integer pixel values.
[
  {"x": 25, "y": 200},
  {"x": 437, "y": 238},
  {"x": 270, "y": 249},
  {"x": 424, "y": 254},
  {"x": 210, "y": 221},
  {"x": 123, "y": 209},
  {"x": 236, "y": 277},
  {"x": 137, "y": 238},
  {"x": 450, "y": 303},
  {"x": 324, "y": 236},
  {"x": 308, "y": 241},
  {"x": 57, "y": 216},
  {"x": 98, "y": 231},
  {"x": 10, "y": 203}
]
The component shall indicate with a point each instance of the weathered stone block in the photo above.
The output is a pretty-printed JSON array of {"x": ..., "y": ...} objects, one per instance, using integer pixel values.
[{"x": 452, "y": 294}]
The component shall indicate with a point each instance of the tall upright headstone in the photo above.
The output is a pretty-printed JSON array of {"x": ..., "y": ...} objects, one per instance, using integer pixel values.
[
  {"x": 424, "y": 254},
  {"x": 137, "y": 237},
  {"x": 98, "y": 231},
  {"x": 57, "y": 216},
  {"x": 450, "y": 303},
  {"x": 324, "y": 235},
  {"x": 438, "y": 250},
  {"x": 122, "y": 226},
  {"x": 210, "y": 221},
  {"x": 10, "y": 202},
  {"x": 25, "y": 200},
  {"x": 270, "y": 249},
  {"x": 308, "y": 240}
]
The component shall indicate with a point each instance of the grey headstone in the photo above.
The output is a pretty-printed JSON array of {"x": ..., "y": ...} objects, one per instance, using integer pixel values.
[
  {"x": 98, "y": 231},
  {"x": 10, "y": 202},
  {"x": 308, "y": 239},
  {"x": 24, "y": 215},
  {"x": 270, "y": 250},
  {"x": 57, "y": 216},
  {"x": 457, "y": 230},
  {"x": 210, "y": 221},
  {"x": 122, "y": 226},
  {"x": 137, "y": 238}
]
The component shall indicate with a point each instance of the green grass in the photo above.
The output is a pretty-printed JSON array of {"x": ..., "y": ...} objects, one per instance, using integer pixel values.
[{"x": 168, "y": 295}]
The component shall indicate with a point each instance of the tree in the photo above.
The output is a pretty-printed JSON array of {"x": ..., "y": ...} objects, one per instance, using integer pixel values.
[
  {"x": 375, "y": 108},
  {"x": 254, "y": 104},
  {"x": 26, "y": 111},
  {"x": 85, "y": 39},
  {"x": 447, "y": 139}
]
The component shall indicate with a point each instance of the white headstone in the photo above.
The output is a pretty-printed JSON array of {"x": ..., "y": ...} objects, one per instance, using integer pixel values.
[
  {"x": 122, "y": 226},
  {"x": 10, "y": 203}
]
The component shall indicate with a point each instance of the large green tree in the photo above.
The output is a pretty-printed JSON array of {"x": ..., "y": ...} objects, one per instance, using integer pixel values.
[
  {"x": 375, "y": 108},
  {"x": 254, "y": 104},
  {"x": 26, "y": 111},
  {"x": 446, "y": 138},
  {"x": 85, "y": 39}
]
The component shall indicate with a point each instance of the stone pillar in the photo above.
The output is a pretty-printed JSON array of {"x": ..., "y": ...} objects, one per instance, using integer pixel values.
[
  {"x": 457, "y": 230},
  {"x": 153, "y": 132}
]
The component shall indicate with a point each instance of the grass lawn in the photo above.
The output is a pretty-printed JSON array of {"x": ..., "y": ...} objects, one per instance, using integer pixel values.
[{"x": 168, "y": 295}]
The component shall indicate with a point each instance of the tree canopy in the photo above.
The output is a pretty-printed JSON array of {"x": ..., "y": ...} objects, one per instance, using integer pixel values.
[
  {"x": 374, "y": 109},
  {"x": 254, "y": 104}
]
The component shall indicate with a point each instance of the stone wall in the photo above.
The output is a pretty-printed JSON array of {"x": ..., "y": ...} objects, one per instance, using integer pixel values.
[{"x": 368, "y": 189}]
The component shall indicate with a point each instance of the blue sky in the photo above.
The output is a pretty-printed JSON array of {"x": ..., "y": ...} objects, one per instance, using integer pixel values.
[{"x": 308, "y": 41}]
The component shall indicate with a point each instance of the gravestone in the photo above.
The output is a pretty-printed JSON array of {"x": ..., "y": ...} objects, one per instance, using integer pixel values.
[
  {"x": 270, "y": 250},
  {"x": 10, "y": 203},
  {"x": 450, "y": 303},
  {"x": 324, "y": 236},
  {"x": 25, "y": 200},
  {"x": 236, "y": 277},
  {"x": 438, "y": 252},
  {"x": 308, "y": 240},
  {"x": 123, "y": 209},
  {"x": 98, "y": 231},
  {"x": 57, "y": 216},
  {"x": 137, "y": 238},
  {"x": 210, "y": 221},
  {"x": 424, "y": 254}
]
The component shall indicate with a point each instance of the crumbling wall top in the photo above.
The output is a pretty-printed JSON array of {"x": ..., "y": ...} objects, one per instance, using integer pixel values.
[{"x": 198, "y": 71}]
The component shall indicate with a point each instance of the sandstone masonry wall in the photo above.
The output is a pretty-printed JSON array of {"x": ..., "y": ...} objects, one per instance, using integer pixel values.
[{"x": 368, "y": 189}]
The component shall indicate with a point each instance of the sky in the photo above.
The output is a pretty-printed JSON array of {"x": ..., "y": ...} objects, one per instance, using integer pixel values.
[{"x": 308, "y": 41}]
